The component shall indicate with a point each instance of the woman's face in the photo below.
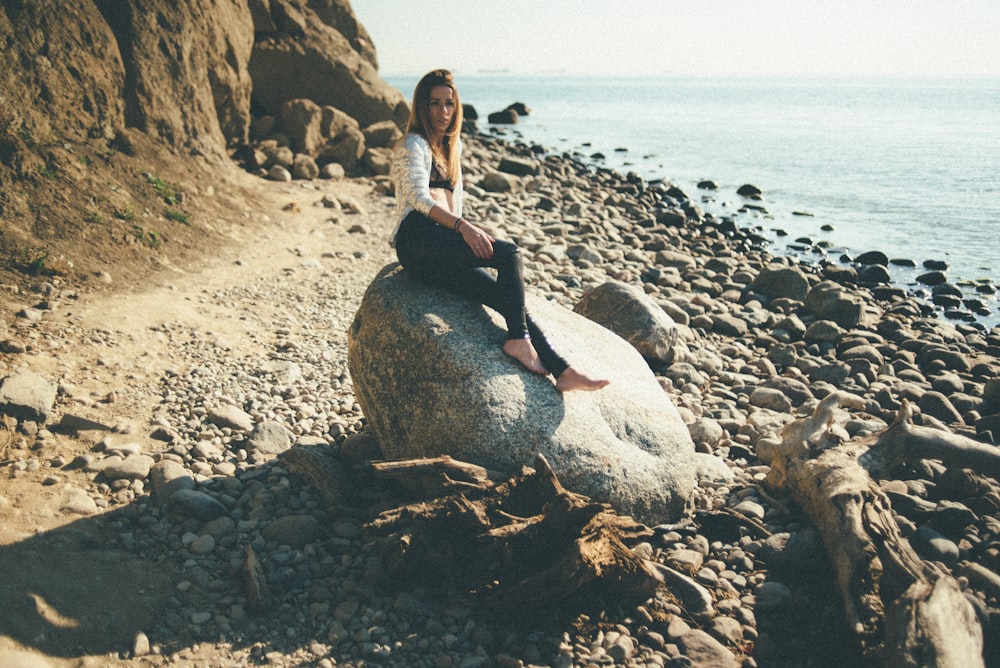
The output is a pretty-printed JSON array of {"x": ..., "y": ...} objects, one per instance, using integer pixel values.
[{"x": 442, "y": 109}]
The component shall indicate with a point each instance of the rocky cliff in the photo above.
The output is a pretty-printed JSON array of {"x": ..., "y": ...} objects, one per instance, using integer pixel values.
[{"x": 146, "y": 95}]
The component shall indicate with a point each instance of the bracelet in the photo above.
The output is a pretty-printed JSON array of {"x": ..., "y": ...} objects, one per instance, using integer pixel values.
[{"x": 458, "y": 224}]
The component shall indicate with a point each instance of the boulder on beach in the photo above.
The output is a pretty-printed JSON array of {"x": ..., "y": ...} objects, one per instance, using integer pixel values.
[
  {"x": 777, "y": 280},
  {"x": 633, "y": 315},
  {"x": 829, "y": 301},
  {"x": 431, "y": 379}
]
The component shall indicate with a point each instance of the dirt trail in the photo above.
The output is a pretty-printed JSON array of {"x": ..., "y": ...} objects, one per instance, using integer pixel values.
[{"x": 59, "y": 586}]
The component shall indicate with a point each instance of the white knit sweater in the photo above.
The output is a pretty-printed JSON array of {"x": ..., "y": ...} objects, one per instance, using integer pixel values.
[{"x": 411, "y": 172}]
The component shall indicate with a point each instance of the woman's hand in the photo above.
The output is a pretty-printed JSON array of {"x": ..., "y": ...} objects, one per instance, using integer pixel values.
[{"x": 480, "y": 242}]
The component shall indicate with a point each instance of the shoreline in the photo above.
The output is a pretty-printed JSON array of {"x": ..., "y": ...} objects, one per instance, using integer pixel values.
[
  {"x": 974, "y": 301},
  {"x": 868, "y": 207}
]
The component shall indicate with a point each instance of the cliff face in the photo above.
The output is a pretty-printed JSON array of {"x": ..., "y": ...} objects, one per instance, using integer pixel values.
[{"x": 98, "y": 91}]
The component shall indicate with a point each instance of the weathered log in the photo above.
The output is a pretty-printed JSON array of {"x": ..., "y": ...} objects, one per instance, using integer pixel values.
[
  {"x": 523, "y": 546},
  {"x": 904, "y": 611}
]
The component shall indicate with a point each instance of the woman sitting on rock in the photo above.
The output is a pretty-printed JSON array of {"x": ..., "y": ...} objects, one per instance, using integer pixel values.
[{"x": 438, "y": 246}]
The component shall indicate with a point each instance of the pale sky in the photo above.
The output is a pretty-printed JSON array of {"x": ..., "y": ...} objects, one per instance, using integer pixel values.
[{"x": 939, "y": 38}]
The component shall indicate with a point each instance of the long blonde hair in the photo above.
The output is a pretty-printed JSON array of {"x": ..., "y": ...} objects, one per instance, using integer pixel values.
[{"x": 419, "y": 121}]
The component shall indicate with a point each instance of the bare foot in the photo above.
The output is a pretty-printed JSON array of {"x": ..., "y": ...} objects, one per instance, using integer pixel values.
[
  {"x": 524, "y": 352},
  {"x": 571, "y": 379}
]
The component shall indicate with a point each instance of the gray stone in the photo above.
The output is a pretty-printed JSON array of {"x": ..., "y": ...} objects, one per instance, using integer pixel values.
[
  {"x": 192, "y": 503},
  {"x": 332, "y": 170},
  {"x": 705, "y": 651},
  {"x": 675, "y": 259},
  {"x": 301, "y": 120},
  {"x": 335, "y": 121},
  {"x": 168, "y": 477},
  {"x": 726, "y": 630},
  {"x": 766, "y": 397},
  {"x": 230, "y": 416},
  {"x": 991, "y": 395},
  {"x": 633, "y": 315},
  {"x": 269, "y": 438},
  {"x": 378, "y": 160},
  {"x": 27, "y": 395},
  {"x": 834, "y": 373},
  {"x": 294, "y": 530},
  {"x": 357, "y": 449},
  {"x": 777, "y": 280},
  {"x": 796, "y": 391},
  {"x": 133, "y": 467},
  {"x": 140, "y": 645},
  {"x": 706, "y": 430},
  {"x": 800, "y": 552},
  {"x": 830, "y": 301},
  {"x": 431, "y": 379},
  {"x": 729, "y": 325},
  {"x": 202, "y": 545},
  {"x": 772, "y": 595},
  {"x": 750, "y": 509},
  {"x": 304, "y": 167},
  {"x": 939, "y": 406},
  {"x": 863, "y": 352},
  {"x": 712, "y": 469},
  {"x": 518, "y": 166},
  {"x": 346, "y": 148},
  {"x": 498, "y": 182},
  {"x": 823, "y": 331},
  {"x": 279, "y": 173},
  {"x": 934, "y": 547},
  {"x": 874, "y": 274},
  {"x": 382, "y": 134},
  {"x": 79, "y": 502}
]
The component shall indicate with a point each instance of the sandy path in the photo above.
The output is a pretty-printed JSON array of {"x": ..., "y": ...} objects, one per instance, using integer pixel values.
[{"x": 108, "y": 352}]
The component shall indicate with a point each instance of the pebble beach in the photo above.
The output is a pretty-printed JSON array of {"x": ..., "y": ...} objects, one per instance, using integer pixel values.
[{"x": 229, "y": 408}]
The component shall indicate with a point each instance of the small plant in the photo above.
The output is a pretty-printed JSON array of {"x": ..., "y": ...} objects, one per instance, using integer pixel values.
[
  {"x": 126, "y": 214},
  {"x": 179, "y": 216},
  {"x": 151, "y": 238},
  {"x": 33, "y": 261},
  {"x": 94, "y": 217},
  {"x": 170, "y": 194},
  {"x": 48, "y": 171}
]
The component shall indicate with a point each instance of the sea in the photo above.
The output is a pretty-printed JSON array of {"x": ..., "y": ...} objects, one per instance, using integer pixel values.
[{"x": 908, "y": 167}]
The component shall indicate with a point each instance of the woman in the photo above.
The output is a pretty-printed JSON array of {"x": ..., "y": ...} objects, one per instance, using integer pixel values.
[{"x": 437, "y": 245}]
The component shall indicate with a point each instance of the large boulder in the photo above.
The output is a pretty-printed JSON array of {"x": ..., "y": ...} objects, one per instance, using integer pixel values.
[
  {"x": 317, "y": 50},
  {"x": 430, "y": 376},
  {"x": 633, "y": 315}
]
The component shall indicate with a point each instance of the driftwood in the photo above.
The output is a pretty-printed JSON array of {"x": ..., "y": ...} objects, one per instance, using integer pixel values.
[
  {"x": 524, "y": 547},
  {"x": 435, "y": 476},
  {"x": 257, "y": 591},
  {"x": 904, "y": 611}
]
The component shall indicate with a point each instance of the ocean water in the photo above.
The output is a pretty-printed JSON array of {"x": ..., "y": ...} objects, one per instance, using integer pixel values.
[{"x": 907, "y": 167}]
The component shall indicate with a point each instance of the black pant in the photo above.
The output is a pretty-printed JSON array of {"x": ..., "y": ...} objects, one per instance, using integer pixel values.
[{"x": 439, "y": 256}]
